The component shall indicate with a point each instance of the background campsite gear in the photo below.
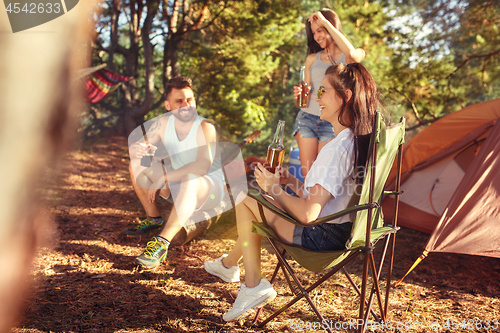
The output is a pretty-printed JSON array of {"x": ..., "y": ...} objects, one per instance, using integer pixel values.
[
  {"x": 102, "y": 82},
  {"x": 436, "y": 160},
  {"x": 470, "y": 223}
]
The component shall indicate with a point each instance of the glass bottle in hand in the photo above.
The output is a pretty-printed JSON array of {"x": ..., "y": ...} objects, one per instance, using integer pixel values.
[
  {"x": 276, "y": 150},
  {"x": 147, "y": 159},
  {"x": 301, "y": 102}
]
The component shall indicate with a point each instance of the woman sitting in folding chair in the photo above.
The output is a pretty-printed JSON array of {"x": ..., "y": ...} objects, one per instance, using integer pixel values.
[{"x": 348, "y": 99}]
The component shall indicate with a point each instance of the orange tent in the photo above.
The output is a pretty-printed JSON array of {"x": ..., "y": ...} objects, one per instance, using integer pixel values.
[
  {"x": 451, "y": 175},
  {"x": 436, "y": 160},
  {"x": 471, "y": 221}
]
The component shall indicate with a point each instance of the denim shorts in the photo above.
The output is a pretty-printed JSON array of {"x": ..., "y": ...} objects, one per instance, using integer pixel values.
[
  {"x": 323, "y": 237},
  {"x": 311, "y": 126}
]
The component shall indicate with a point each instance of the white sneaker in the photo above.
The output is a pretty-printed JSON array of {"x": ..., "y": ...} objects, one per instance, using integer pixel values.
[
  {"x": 249, "y": 298},
  {"x": 218, "y": 269}
]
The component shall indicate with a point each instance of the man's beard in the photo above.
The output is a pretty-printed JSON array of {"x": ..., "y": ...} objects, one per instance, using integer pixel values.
[{"x": 185, "y": 117}]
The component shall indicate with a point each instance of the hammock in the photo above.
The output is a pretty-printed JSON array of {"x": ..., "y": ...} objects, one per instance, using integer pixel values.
[{"x": 101, "y": 83}]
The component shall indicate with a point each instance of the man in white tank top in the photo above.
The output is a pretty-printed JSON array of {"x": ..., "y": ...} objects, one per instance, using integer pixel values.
[{"x": 193, "y": 178}]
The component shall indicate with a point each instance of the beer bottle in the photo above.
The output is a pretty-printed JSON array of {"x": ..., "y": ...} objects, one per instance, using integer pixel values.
[
  {"x": 302, "y": 100},
  {"x": 147, "y": 159},
  {"x": 276, "y": 150}
]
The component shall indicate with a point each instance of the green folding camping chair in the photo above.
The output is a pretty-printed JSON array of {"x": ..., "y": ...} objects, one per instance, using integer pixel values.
[{"x": 367, "y": 230}]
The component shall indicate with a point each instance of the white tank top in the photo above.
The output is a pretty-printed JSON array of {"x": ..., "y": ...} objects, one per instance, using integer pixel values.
[{"x": 183, "y": 152}]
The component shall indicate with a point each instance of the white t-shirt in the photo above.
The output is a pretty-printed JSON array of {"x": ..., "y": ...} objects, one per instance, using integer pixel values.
[{"x": 333, "y": 170}]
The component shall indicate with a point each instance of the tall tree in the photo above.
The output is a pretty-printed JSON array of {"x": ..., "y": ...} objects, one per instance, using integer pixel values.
[
  {"x": 222, "y": 44},
  {"x": 446, "y": 56},
  {"x": 242, "y": 65}
]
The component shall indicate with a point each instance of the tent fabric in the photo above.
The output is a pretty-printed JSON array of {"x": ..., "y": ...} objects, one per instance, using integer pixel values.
[
  {"x": 471, "y": 222},
  {"x": 431, "y": 196},
  {"x": 103, "y": 82},
  {"x": 448, "y": 134},
  {"x": 436, "y": 160}
]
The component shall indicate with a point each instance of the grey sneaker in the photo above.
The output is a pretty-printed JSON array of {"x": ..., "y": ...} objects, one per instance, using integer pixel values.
[
  {"x": 143, "y": 227},
  {"x": 154, "y": 254},
  {"x": 216, "y": 268},
  {"x": 249, "y": 298}
]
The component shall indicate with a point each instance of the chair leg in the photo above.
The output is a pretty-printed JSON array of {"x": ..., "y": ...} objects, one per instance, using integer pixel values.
[
  {"x": 355, "y": 287},
  {"x": 375, "y": 291},
  {"x": 376, "y": 286},
  {"x": 389, "y": 274},
  {"x": 305, "y": 291},
  {"x": 362, "y": 295}
]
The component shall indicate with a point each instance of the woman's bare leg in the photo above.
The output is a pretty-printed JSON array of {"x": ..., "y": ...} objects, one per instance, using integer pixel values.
[
  {"x": 308, "y": 151},
  {"x": 249, "y": 243}
]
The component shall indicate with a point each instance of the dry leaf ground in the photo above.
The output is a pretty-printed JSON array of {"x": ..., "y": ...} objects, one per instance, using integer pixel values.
[{"x": 84, "y": 279}]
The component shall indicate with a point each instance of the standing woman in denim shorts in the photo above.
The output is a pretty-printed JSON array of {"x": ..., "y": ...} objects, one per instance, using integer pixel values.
[{"x": 326, "y": 45}]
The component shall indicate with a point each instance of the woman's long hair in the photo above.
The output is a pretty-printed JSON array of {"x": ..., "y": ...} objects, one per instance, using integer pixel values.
[
  {"x": 330, "y": 15},
  {"x": 357, "y": 113}
]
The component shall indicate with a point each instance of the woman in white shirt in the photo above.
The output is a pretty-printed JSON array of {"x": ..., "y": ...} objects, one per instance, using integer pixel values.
[{"x": 348, "y": 99}]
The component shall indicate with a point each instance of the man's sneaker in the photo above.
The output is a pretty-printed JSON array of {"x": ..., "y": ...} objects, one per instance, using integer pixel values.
[
  {"x": 154, "y": 254},
  {"x": 249, "y": 298},
  {"x": 145, "y": 226},
  {"x": 216, "y": 268}
]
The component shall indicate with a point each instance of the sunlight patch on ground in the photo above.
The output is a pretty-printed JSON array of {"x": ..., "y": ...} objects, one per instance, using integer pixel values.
[{"x": 115, "y": 248}]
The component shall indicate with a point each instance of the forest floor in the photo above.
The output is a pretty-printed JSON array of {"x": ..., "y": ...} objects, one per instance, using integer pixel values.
[{"x": 85, "y": 279}]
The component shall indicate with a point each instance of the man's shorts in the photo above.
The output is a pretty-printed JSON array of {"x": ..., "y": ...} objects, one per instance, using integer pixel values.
[{"x": 216, "y": 194}]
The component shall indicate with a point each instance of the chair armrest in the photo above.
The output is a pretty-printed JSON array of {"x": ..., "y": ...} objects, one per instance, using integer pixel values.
[
  {"x": 254, "y": 194},
  {"x": 393, "y": 192}
]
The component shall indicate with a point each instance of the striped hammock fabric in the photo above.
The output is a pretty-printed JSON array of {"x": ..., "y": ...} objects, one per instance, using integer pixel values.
[{"x": 101, "y": 83}]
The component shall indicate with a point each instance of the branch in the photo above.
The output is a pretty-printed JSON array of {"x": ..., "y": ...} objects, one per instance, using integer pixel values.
[
  {"x": 216, "y": 16},
  {"x": 470, "y": 57},
  {"x": 422, "y": 123},
  {"x": 201, "y": 18},
  {"x": 158, "y": 102},
  {"x": 409, "y": 100}
]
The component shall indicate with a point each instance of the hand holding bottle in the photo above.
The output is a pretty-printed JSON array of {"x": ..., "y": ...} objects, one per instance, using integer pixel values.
[
  {"x": 276, "y": 150},
  {"x": 146, "y": 153},
  {"x": 297, "y": 91},
  {"x": 139, "y": 150},
  {"x": 266, "y": 179},
  {"x": 301, "y": 91}
]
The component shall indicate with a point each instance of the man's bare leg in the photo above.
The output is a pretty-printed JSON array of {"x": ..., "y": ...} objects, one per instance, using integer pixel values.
[
  {"x": 185, "y": 204},
  {"x": 193, "y": 192},
  {"x": 141, "y": 184}
]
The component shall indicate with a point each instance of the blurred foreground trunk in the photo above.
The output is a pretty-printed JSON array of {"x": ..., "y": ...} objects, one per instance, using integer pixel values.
[{"x": 39, "y": 98}]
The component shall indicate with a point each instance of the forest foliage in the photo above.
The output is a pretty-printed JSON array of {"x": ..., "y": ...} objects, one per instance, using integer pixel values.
[{"x": 429, "y": 58}]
